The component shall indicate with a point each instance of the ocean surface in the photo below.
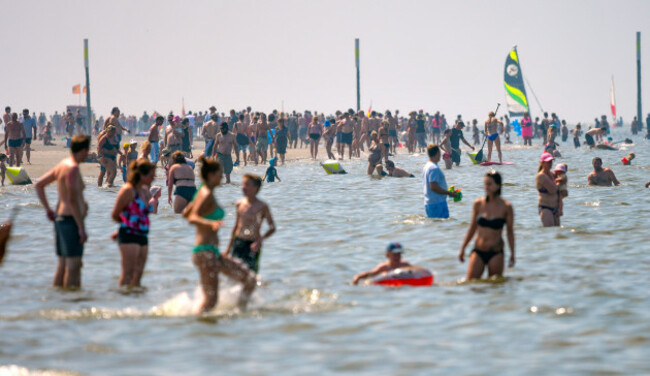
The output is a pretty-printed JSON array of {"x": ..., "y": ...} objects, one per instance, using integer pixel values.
[{"x": 577, "y": 301}]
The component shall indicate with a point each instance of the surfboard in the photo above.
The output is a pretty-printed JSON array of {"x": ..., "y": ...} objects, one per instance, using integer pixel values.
[
  {"x": 605, "y": 147},
  {"x": 496, "y": 163}
]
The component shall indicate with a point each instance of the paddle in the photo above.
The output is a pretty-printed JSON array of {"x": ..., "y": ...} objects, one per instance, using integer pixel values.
[{"x": 479, "y": 155}]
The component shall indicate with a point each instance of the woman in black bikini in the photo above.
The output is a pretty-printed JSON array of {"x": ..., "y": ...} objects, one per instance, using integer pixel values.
[
  {"x": 376, "y": 151},
  {"x": 490, "y": 214},
  {"x": 181, "y": 175},
  {"x": 108, "y": 148},
  {"x": 547, "y": 186}
]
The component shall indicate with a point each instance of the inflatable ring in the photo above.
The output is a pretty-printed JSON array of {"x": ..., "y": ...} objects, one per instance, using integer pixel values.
[{"x": 407, "y": 276}]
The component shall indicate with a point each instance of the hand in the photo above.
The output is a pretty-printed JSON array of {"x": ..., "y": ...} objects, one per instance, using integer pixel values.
[
  {"x": 170, "y": 201},
  {"x": 216, "y": 225},
  {"x": 82, "y": 236},
  {"x": 355, "y": 281},
  {"x": 461, "y": 256},
  {"x": 453, "y": 194},
  {"x": 473, "y": 148},
  {"x": 255, "y": 247},
  {"x": 511, "y": 262},
  {"x": 50, "y": 214},
  {"x": 114, "y": 236}
]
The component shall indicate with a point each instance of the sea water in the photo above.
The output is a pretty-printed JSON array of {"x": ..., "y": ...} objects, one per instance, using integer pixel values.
[{"x": 575, "y": 303}]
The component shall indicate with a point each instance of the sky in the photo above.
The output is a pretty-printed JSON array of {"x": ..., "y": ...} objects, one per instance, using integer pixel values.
[{"x": 298, "y": 55}]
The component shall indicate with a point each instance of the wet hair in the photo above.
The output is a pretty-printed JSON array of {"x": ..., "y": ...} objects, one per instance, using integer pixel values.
[
  {"x": 79, "y": 142},
  {"x": 138, "y": 169},
  {"x": 178, "y": 157},
  {"x": 597, "y": 159},
  {"x": 209, "y": 166},
  {"x": 257, "y": 181},
  {"x": 496, "y": 178},
  {"x": 390, "y": 164},
  {"x": 114, "y": 110},
  {"x": 432, "y": 150}
]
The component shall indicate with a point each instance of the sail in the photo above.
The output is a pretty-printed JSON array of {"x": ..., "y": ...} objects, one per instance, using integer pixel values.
[
  {"x": 612, "y": 100},
  {"x": 513, "y": 80}
]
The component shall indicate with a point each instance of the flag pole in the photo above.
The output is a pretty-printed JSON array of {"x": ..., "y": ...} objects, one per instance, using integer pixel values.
[
  {"x": 638, "y": 79},
  {"x": 89, "y": 112},
  {"x": 356, "y": 58}
]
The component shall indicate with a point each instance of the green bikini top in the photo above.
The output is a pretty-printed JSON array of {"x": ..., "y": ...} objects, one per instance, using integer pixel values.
[{"x": 218, "y": 213}]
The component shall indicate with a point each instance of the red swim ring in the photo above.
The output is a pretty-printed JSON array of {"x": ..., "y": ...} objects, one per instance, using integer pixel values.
[{"x": 407, "y": 276}]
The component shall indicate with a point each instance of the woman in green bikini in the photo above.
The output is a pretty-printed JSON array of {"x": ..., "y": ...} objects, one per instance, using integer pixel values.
[{"x": 207, "y": 216}]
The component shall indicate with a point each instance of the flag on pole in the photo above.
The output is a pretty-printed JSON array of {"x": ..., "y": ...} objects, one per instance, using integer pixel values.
[
  {"x": 84, "y": 89},
  {"x": 76, "y": 89},
  {"x": 370, "y": 110},
  {"x": 183, "y": 107}
]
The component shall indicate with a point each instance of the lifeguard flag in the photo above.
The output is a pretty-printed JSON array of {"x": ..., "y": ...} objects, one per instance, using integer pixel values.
[
  {"x": 84, "y": 89},
  {"x": 75, "y": 89}
]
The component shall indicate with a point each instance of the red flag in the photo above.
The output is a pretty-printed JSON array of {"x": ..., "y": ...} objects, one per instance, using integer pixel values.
[{"x": 75, "y": 89}]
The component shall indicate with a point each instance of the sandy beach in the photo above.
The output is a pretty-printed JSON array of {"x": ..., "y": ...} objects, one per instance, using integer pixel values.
[{"x": 43, "y": 158}]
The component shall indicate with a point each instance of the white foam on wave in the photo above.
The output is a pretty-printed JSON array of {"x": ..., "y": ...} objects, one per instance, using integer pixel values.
[{"x": 15, "y": 370}]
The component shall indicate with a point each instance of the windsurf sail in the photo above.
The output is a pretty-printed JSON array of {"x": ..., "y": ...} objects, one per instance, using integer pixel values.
[
  {"x": 612, "y": 101},
  {"x": 513, "y": 80}
]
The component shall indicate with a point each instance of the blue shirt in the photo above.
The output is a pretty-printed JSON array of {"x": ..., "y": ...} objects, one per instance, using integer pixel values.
[
  {"x": 431, "y": 173},
  {"x": 29, "y": 124}
]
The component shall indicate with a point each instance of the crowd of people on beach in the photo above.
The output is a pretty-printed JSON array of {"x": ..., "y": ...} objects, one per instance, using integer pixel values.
[{"x": 255, "y": 137}]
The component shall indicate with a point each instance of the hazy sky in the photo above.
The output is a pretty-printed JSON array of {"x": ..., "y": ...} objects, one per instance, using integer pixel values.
[{"x": 434, "y": 55}]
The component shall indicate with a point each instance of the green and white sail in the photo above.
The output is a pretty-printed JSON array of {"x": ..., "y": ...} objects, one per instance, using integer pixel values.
[{"x": 513, "y": 80}]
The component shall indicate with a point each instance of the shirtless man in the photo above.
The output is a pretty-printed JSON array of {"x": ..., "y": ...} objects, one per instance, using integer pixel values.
[
  {"x": 603, "y": 177},
  {"x": 69, "y": 123},
  {"x": 15, "y": 134},
  {"x": 209, "y": 132},
  {"x": 31, "y": 130},
  {"x": 6, "y": 117},
  {"x": 397, "y": 172},
  {"x": 241, "y": 136},
  {"x": 246, "y": 239},
  {"x": 392, "y": 132},
  {"x": 394, "y": 256},
  {"x": 69, "y": 214},
  {"x": 347, "y": 133},
  {"x": 364, "y": 135},
  {"x": 262, "y": 138},
  {"x": 154, "y": 138},
  {"x": 492, "y": 125},
  {"x": 594, "y": 135},
  {"x": 114, "y": 120},
  {"x": 224, "y": 145}
]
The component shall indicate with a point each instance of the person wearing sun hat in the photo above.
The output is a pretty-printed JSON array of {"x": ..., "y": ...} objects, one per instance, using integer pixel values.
[
  {"x": 548, "y": 188},
  {"x": 394, "y": 255}
]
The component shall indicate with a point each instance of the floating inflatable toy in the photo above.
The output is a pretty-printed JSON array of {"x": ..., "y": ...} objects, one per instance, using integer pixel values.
[
  {"x": 333, "y": 167},
  {"x": 18, "y": 176},
  {"x": 407, "y": 276},
  {"x": 627, "y": 160}
]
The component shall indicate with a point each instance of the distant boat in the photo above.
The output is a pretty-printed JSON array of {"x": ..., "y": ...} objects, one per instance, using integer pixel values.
[{"x": 513, "y": 80}]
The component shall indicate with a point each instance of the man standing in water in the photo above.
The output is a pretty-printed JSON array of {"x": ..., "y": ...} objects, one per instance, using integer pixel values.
[
  {"x": 435, "y": 186},
  {"x": 71, "y": 210},
  {"x": 154, "y": 138},
  {"x": 455, "y": 138},
  {"x": 209, "y": 132},
  {"x": 347, "y": 130},
  {"x": 603, "y": 177},
  {"x": 224, "y": 145},
  {"x": 29, "y": 123},
  {"x": 15, "y": 135}
]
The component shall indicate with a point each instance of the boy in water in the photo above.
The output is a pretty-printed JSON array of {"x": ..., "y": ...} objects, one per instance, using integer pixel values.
[
  {"x": 394, "y": 256},
  {"x": 271, "y": 172},
  {"x": 246, "y": 239}
]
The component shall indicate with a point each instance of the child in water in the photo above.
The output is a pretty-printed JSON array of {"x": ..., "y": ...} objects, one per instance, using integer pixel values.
[
  {"x": 562, "y": 179},
  {"x": 394, "y": 256},
  {"x": 271, "y": 172},
  {"x": 122, "y": 162},
  {"x": 246, "y": 239},
  {"x": 156, "y": 192}
]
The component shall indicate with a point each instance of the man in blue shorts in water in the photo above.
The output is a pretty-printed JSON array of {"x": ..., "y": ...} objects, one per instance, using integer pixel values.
[{"x": 435, "y": 186}]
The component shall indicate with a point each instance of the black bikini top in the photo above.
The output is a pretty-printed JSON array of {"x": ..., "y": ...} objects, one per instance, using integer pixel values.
[{"x": 496, "y": 223}]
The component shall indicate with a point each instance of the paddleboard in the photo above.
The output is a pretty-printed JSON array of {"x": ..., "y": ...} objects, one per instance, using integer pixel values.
[
  {"x": 497, "y": 164},
  {"x": 605, "y": 147}
]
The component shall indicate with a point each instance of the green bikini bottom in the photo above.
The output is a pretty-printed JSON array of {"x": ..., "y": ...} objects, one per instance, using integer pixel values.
[{"x": 206, "y": 247}]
